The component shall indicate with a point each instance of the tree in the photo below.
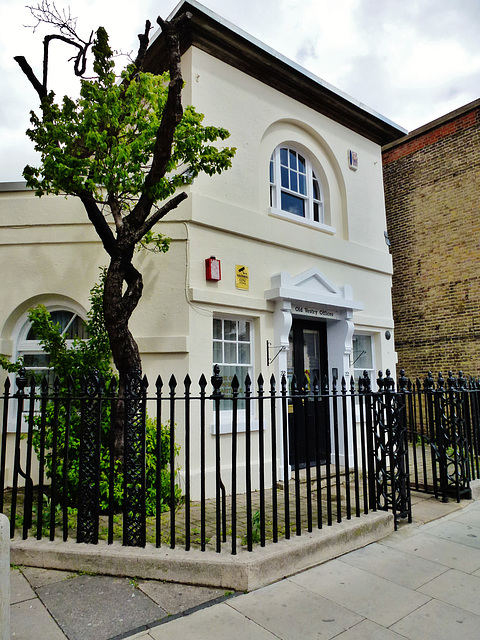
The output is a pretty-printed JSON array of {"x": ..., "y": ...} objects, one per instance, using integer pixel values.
[{"x": 121, "y": 147}]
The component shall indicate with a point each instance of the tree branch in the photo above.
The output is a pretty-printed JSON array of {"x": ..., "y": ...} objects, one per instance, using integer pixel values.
[
  {"x": 61, "y": 20},
  {"x": 173, "y": 111},
  {"x": 172, "y": 115},
  {"x": 100, "y": 224},
  {"x": 44, "y": 13},
  {"x": 159, "y": 214},
  {"x": 34, "y": 81},
  {"x": 138, "y": 63},
  {"x": 116, "y": 211},
  {"x": 144, "y": 39},
  {"x": 80, "y": 59}
]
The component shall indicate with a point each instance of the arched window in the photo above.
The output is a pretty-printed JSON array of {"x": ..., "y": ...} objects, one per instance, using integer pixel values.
[
  {"x": 294, "y": 186},
  {"x": 36, "y": 361}
]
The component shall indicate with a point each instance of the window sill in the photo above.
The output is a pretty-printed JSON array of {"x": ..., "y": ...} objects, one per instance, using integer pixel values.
[
  {"x": 226, "y": 426},
  {"x": 284, "y": 215}
]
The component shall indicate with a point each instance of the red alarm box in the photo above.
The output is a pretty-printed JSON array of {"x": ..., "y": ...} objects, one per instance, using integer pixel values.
[{"x": 212, "y": 269}]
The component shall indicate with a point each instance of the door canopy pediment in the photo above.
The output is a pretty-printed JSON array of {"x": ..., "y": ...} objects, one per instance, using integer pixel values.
[{"x": 312, "y": 287}]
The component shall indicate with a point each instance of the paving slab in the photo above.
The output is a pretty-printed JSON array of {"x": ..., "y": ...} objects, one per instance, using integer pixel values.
[
  {"x": 469, "y": 517},
  {"x": 20, "y": 588},
  {"x": 372, "y": 597},
  {"x": 445, "y": 552},
  {"x": 30, "y": 620},
  {"x": 214, "y": 623},
  {"x": 290, "y": 612},
  {"x": 456, "y": 588},
  {"x": 176, "y": 598},
  {"x": 456, "y": 532},
  {"x": 395, "y": 565},
  {"x": 438, "y": 621},
  {"x": 98, "y": 607},
  {"x": 38, "y": 577},
  {"x": 431, "y": 509},
  {"x": 368, "y": 630}
]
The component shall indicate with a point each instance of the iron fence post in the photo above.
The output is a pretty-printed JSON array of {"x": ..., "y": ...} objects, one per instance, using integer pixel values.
[
  {"x": 41, "y": 461},
  {"x": 3, "y": 451},
  {"x": 134, "y": 526},
  {"x": 296, "y": 418},
  {"x": 318, "y": 448},
  {"x": 217, "y": 381},
  {"x": 404, "y": 392},
  {"x": 203, "y": 395},
  {"x": 66, "y": 446},
  {"x": 21, "y": 381},
  {"x": 89, "y": 473},
  {"x": 172, "y": 383},
  {"x": 28, "y": 501},
  {"x": 261, "y": 452},
  {"x": 286, "y": 487},
  {"x": 187, "y": 384},
  {"x": 112, "y": 392},
  {"x": 235, "y": 387},
  {"x": 273, "y": 427}
]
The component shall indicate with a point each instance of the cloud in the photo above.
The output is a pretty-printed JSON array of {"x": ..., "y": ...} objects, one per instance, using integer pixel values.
[{"x": 412, "y": 61}]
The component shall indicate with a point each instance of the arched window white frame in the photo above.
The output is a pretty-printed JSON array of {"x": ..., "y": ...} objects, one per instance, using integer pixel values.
[
  {"x": 295, "y": 189},
  {"x": 28, "y": 347}
]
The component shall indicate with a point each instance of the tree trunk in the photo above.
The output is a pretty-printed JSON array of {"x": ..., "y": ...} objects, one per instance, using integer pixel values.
[{"x": 119, "y": 305}]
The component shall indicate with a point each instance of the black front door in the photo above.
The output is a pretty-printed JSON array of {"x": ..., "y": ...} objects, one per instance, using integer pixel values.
[{"x": 308, "y": 361}]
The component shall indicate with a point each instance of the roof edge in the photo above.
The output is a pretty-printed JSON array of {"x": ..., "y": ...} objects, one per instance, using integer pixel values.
[
  {"x": 20, "y": 185},
  {"x": 224, "y": 40},
  {"x": 438, "y": 122}
]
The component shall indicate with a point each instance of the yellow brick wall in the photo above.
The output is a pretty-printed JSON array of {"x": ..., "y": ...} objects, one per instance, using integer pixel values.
[{"x": 432, "y": 192}]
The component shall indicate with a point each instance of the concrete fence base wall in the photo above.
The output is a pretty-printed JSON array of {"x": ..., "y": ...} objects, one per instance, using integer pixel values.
[
  {"x": 244, "y": 572},
  {"x": 4, "y": 578}
]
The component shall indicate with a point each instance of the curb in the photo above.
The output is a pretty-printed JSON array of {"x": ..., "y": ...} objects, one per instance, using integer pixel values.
[{"x": 244, "y": 572}]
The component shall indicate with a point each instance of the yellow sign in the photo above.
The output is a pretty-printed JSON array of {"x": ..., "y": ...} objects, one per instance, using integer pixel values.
[{"x": 241, "y": 276}]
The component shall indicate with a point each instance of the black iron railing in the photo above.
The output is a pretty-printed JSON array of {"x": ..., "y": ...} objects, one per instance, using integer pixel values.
[
  {"x": 444, "y": 429},
  {"x": 196, "y": 468}
]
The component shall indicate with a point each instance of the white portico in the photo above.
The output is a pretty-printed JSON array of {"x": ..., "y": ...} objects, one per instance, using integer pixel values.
[
  {"x": 310, "y": 295},
  {"x": 313, "y": 326}
]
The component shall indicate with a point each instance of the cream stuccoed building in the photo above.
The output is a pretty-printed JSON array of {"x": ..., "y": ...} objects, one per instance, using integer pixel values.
[{"x": 301, "y": 276}]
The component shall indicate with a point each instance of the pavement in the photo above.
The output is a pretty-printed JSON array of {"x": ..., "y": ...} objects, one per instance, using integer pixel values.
[{"x": 421, "y": 582}]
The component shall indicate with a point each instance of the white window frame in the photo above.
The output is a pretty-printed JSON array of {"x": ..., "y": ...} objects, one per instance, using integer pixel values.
[
  {"x": 358, "y": 371},
  {"x": 23, "y": 347},
  {"x": 226, "y": 415},
  {"x": 313, "y": 207},
  {"x": 26, "y": 347}
]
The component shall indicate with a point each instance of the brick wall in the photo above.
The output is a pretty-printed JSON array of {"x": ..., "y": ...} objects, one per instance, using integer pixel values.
[{"x": 432, "y": 196}]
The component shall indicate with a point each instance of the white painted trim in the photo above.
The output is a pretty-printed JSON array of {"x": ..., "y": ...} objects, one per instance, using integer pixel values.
[
  {"x": 291, "y": 217},
  {"x": 314, "y": 288}
]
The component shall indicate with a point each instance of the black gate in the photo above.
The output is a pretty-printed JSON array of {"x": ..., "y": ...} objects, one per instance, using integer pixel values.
[{"x": 443, "y": 431}]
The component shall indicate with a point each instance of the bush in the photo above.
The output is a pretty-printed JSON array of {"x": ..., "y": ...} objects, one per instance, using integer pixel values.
[{"x": 73, "y": 472}]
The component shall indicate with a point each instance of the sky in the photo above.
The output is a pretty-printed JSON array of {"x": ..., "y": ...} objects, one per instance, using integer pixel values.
[{"x": 412, "y": 61}]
